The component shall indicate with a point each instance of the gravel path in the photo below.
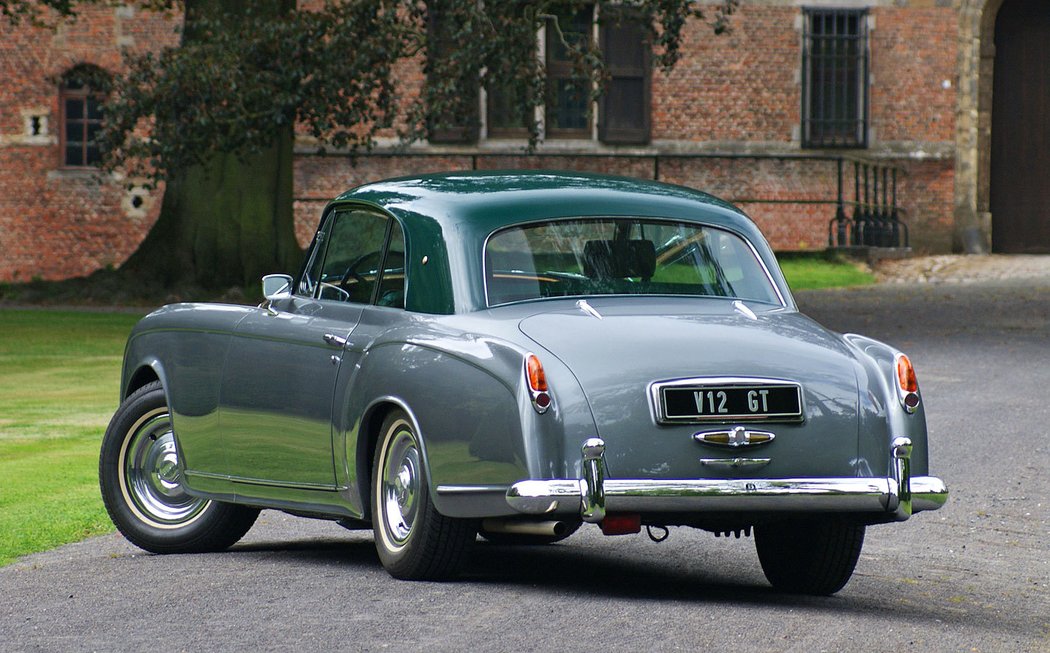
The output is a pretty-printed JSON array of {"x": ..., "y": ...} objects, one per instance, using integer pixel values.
[{"x": 964, "y": 269}]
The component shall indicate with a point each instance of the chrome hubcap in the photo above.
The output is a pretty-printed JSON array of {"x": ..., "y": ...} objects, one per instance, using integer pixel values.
[
  {"x": 152, "y": 481},
  {"x": 401, "y": 482}
]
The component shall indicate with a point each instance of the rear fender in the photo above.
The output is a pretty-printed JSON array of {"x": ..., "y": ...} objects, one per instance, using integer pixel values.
[
  {"x": 882, "y": 416},
  {"x": 473, "y": 417}
]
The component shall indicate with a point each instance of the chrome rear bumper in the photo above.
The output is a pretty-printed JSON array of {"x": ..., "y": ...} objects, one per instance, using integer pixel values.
[{"x": 898, "y": 494}]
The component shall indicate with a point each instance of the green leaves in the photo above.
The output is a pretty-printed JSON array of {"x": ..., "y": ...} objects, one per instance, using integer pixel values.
[{"x": 346, "y": 72}]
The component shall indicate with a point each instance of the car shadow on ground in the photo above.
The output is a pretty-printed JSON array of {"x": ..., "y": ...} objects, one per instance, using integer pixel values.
[
  {"x": 591, "y": 571},
  {"x": 687, "y": 571}
]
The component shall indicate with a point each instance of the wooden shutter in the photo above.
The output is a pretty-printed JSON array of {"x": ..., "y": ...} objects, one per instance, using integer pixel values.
[
  {"x": 624, "y": 112},
  {"x": 461, "y": 128}
]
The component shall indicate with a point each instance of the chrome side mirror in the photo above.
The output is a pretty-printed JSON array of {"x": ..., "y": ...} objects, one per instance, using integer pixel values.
[{"x": 276, "y": 285}]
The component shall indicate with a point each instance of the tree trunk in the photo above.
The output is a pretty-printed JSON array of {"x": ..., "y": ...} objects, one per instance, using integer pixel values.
[
  {"x": 229, "y": 221},
  {"x": 225, "y": 223}
]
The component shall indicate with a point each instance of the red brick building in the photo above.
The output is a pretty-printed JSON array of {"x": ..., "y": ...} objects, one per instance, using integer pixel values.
[{"x": 889, "y": 100}]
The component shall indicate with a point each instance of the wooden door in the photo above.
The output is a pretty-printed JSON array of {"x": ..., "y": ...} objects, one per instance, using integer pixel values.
[{"x": 1020, "y": 174}]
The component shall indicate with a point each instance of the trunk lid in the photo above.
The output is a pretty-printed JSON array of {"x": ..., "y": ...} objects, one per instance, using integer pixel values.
[{"x": 638, "y": 342}]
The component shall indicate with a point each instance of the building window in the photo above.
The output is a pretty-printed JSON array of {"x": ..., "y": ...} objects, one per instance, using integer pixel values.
[
  {"x": 81, "y": 122},
  {"x": 504, "y": 117},
  {"x": 568, "y": 99},
  {"x": 835, "y": 78},
  {"x": 459, "y": 123},
  {"x": 624, "y": 113},
  {"x": 624, "y": 108}
]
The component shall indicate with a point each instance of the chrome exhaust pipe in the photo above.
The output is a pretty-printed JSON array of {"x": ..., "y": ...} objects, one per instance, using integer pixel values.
[{"x": 518, "y": 527}]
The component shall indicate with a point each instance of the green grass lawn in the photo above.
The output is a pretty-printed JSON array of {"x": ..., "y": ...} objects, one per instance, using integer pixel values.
[
  {"x": 59, "y": 377},
  {"x": 813, "y": 271}
]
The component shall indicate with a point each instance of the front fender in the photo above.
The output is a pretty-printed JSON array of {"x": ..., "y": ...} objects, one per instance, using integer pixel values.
[{"x": 184, "y": 346}]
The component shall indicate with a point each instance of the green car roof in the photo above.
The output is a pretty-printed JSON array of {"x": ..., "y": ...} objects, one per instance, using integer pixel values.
[
  {"x": 489, "y": 200},
  {"x": 447, "y": 218}
]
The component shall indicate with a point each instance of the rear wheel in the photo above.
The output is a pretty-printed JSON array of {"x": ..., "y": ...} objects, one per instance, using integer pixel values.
[
  {"x": 809, "y": 557},
  {"x": 142, "y": 486},
  {"x": 414, "y": 540}
]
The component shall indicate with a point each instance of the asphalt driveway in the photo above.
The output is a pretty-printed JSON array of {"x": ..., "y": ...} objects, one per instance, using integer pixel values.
[{"x": 974, "y": 576}]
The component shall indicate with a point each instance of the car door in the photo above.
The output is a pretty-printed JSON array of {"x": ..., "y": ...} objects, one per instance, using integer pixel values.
[{"x": 278, "y": 385}]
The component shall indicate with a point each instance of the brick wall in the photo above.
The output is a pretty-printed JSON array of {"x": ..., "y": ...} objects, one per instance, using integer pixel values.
[
  {"x": 913, "y": 63},
  {"x": 731, "y": 97},
  {"x": 57, "y": 223},
  {"x": 739, "y": 86}
]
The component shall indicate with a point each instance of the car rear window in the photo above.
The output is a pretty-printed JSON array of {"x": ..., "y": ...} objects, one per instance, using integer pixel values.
[{"x": 622, "y": 256}]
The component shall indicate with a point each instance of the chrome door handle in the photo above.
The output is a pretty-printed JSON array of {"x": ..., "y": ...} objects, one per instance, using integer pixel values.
[{"x": 334, "y": 340}]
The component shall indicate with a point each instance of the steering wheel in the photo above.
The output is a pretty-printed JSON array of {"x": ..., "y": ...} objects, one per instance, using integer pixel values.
[
  {"x": 348, "y": 275},
  {"x": 351, "y": 270}
]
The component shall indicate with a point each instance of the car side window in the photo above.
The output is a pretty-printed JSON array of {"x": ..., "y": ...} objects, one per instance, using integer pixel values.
[
  {"x": 352, "y": 257},
  {"x": 358, "y": 257}
]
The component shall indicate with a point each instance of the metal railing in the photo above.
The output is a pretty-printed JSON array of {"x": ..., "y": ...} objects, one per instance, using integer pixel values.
[{"x": 876, "y": 220}]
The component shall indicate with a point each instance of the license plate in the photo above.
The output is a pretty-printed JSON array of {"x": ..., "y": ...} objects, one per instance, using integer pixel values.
[{"x": 684, "y": 401}]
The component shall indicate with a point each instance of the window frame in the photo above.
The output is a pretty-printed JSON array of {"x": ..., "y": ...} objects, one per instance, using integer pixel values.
[
  {"x": 848, "y": 64},
  {"x": 596, "y": 128},
  {"x": 83, "y": 94},
  {"x": 322, "y": 242},
  {"x": 621, "y": 19},
  {"x": 486, "y": 271},
  {"x": 563, "y": 70},
  {"x": 438, "y": 41}
]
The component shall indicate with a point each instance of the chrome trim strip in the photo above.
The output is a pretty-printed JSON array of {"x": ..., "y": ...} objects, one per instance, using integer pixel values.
[
  {"x": 735, "y": 463},
  {"x": 242, "y": 480},
  {"x": 454, "y": 490}
]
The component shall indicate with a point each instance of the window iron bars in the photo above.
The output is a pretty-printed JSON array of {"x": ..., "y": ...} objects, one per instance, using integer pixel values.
[{"x": 835, "y": 63}]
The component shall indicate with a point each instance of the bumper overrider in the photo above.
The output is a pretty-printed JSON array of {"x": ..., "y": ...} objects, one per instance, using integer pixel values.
[{"x": 897, "y": 495}]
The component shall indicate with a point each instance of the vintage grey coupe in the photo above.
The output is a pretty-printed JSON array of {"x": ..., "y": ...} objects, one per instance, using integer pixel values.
[{"x": 516, "y": 354}]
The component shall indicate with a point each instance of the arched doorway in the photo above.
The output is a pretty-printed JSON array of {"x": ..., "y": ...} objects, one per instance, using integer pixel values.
[{"x": 1019, "y": 193}]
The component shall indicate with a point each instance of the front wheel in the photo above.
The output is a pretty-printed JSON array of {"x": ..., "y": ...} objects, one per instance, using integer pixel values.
[
  {"x": 142, "y": 489},
  {"x": 414, "y": 540},
  {"x": 809, "y": 557}
]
